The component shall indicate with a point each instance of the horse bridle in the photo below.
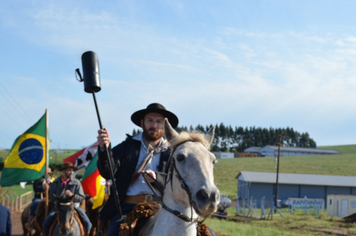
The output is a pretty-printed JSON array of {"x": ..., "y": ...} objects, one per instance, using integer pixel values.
[
  {"x": 71, "y": 221},
  {"x": 184, "y": 186}
]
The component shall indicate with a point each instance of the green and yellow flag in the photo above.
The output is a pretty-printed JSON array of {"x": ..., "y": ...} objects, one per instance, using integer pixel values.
[{"x": 27, "y": 157}]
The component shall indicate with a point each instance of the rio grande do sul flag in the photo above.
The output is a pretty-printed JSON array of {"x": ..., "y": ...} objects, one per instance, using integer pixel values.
[
  {"x": 27, "y": 157},
  {"x": 93, "y": 183}
]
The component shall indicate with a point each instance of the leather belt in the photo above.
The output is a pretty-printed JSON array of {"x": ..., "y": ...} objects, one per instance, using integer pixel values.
[{"x": 140, "y": 198}]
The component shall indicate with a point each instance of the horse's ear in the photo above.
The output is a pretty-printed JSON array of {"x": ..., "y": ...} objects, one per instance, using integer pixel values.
[
  {"x": 169, "y": 131},
  {"x": 209, "y": 136}
]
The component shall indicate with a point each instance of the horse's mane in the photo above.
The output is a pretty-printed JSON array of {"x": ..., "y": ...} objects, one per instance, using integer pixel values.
[{"x": 194, "y": 136}]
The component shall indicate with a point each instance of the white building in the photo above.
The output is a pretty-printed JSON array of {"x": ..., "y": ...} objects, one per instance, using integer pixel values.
[
  {"x": 224, "y": 154},
  {"x": 341, "y": 205},
  {"x": 270, "y": 151}
]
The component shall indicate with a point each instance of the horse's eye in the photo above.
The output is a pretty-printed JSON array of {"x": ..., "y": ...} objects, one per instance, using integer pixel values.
[{"x": 180, "y": 157}]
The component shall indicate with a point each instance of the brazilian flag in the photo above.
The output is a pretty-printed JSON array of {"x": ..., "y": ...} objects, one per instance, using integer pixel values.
[{"x": 26, "y": 159}]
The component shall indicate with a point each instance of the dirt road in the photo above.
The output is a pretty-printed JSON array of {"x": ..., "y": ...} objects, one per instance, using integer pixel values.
[{"x": 16, "y": 223}]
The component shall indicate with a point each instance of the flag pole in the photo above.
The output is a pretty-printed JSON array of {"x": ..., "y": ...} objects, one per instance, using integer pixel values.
[{"x": 46, "y": 163}]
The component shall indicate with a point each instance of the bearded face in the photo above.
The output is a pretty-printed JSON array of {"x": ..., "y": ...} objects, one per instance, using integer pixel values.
[
  {"x": 152, "y": 125},
  {"x": 67, "y": 173}
]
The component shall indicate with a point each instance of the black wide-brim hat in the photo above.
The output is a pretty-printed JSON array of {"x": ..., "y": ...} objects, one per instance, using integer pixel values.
[{"x": 157, "y": 108}]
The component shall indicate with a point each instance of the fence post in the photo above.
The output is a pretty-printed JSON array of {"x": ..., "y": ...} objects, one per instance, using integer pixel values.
[
  {"x": 20, "y": 203},
  {"x": 243, "y": 209},
  {"x": 238, "y": 209},
  {"x": 12, "y": 201},
  {"x": 8, "y": 200},
  {"x": 305, "y": 205},
  {"x": 17, "y": 202},
  {"x": 263, "y": 214},
  {"x": 25, "y": 199}
]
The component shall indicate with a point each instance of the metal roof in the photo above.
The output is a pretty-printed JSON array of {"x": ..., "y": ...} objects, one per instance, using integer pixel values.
[
  {"x": 298, "y": 179},
  {"x": 300, "y": 149},
  {"x": 254, "y": 147}
]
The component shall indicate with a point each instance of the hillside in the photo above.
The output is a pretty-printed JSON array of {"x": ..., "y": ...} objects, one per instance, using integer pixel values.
[
  {"x": 344, "y": 164},
  {"x": 342, "y": 148}
]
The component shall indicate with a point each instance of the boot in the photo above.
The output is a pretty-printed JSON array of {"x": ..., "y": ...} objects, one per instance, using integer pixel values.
[
  {"x": 29, "y": 224},
  {"x": 101, "y": 225}
]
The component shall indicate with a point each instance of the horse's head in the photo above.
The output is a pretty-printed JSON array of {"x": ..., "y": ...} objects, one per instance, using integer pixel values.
[
  {"x": 192, "y": 169},
  {"x": 65, "y": 211}
]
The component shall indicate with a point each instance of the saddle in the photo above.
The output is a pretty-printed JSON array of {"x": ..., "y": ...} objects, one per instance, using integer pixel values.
[{"x": 140, "y": 215}]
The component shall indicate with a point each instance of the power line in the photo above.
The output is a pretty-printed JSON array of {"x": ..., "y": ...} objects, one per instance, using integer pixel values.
[
  {"x": 11, "y": 118},
  {"x": 3, "y": 143},
  {"x": 21, "y": 111}
]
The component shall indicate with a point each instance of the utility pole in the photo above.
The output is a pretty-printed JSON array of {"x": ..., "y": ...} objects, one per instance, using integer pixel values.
[{"x": 279, "y": 153}]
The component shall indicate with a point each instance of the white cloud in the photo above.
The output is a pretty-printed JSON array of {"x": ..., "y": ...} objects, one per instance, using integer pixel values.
[{"x": 232, "y": 75}]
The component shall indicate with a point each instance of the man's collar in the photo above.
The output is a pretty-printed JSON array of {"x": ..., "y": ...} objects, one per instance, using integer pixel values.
[{"x": 138, "y": 137}]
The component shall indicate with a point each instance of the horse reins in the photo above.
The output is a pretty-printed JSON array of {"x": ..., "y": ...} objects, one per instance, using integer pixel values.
[
  {"x": 71, "y": 222},
  {"x": 184, "y": 186}
]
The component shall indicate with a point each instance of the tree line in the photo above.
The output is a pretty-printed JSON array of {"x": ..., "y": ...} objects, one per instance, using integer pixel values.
[{"x": 237, "y": 139}]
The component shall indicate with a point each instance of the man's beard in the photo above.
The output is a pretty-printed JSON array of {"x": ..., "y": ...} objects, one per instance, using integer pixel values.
[
  {"x": 152, "y": 136},
  {"x": 68, "y": 175}
]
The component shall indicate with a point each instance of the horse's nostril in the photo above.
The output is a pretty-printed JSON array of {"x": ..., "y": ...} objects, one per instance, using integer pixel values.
[{"x": 202, "y": 195}]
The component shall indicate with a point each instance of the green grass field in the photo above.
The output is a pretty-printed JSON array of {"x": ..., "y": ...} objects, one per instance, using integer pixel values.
[{"x": 225, "y": 174}]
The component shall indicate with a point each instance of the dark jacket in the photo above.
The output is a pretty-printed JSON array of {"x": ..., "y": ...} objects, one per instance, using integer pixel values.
[
  {"x": 38, "y": 188},
  {"x": 5, "y": 221},
  {"x": 124, "y": 161},
  {"x": 73, "y": 185}
]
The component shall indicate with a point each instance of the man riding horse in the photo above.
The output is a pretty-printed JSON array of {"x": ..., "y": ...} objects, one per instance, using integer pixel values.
[
  {"x": 39, "y": 187},
  {"x": 69, "y": 186},
  {"x": 147, "y": 151}
]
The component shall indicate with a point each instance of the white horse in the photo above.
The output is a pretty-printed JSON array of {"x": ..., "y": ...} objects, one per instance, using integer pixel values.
[{"x": 190, "y": 192}]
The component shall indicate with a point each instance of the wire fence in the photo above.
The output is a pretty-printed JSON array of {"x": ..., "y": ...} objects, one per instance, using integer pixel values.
[
  {"x": 265, "y": 209},
  {"x": 15, "y": 202}
]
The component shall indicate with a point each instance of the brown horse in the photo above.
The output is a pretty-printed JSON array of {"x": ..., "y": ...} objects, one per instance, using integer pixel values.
[
  {"x": 38, "y": 220},
  {"x": 99, "y": 228}
]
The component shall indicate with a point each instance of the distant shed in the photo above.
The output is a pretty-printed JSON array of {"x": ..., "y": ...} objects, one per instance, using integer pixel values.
[
  {"x": 224, "y": 154},
  {"x": 253, "y": 149},
  {"x": 263, "y": 184},
  {"x": 341, "y": 205}
]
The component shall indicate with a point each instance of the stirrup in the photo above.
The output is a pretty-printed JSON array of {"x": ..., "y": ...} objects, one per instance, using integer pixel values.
[
  {"x": 29, "y": 226},
  {"x": 99, "y": 232}
]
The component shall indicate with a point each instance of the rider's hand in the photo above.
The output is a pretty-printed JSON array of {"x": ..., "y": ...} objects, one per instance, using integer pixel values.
[
  {"x": 152, "y": 173},
  {"x": 68, "y": 193},
  {"x": 103, "y": 138},
  {"x": 45, "y": 186}
]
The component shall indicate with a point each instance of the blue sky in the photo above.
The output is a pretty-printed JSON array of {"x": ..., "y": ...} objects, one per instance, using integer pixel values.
[{"x": 241, "y": 63}]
